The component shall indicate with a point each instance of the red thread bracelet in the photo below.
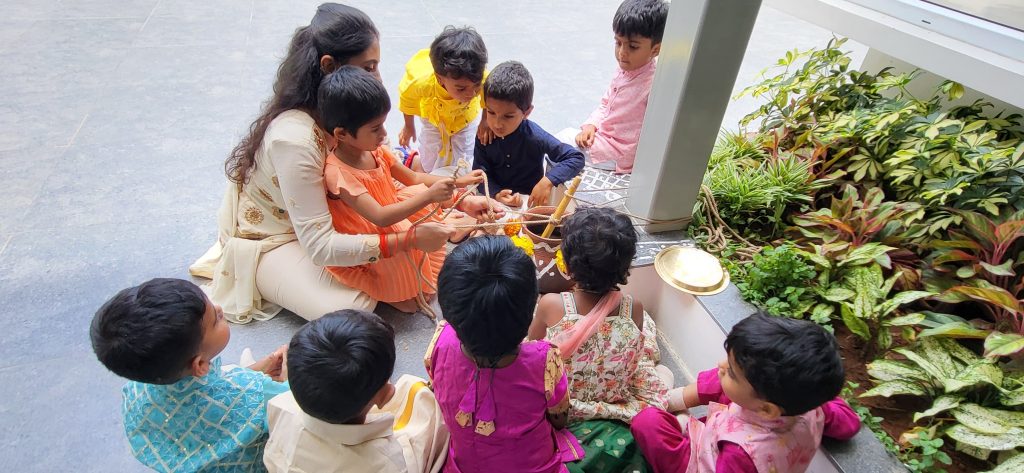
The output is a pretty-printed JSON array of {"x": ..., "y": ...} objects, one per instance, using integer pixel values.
[{"x": 384, "y": 253}]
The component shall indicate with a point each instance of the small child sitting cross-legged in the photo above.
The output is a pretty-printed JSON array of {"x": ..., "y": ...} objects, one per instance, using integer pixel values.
[
  {"x": 605, "y": 337},
  {"x": 770, "y": 402},
  {"x": 182, "y": 411},
  {"x": 342, "y": 413},
  {"x": 514, "y": 160},
  {"x": 505, "y": 400}
]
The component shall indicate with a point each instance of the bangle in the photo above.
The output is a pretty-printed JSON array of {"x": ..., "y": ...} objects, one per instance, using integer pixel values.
[
  {"x": 384, "y": 253},
  {"x": 409, "y": 237}
]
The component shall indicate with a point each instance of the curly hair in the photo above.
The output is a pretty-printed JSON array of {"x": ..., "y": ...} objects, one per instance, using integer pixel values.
[
  {"x": 598, "y": 245},
  {"x": 459, "y": 53}
]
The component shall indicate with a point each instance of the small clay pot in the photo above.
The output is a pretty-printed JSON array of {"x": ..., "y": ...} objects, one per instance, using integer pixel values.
[{"x": 549, "y": 277}]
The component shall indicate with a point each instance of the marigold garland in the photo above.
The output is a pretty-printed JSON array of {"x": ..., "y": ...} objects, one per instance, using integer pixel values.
[
  {"x": 523, "y": 242},
  {"x": 560, "y": 261},
  {"x": 513, "y": 228}
]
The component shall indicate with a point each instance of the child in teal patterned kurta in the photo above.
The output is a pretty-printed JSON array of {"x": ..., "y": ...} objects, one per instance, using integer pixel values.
[{"x": 182, "y": 411}]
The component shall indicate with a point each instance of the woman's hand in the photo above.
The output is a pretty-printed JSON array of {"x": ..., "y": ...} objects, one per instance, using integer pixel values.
[
  {"x": 482, "y": 208},
  {"x": 441, "y": 191},
  {"x": 406, "y": 134},
  {"x": 432, "y": 236}
]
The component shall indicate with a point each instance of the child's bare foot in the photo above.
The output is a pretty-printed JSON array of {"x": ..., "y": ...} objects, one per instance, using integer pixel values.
[{"x": 408, "y": 306}]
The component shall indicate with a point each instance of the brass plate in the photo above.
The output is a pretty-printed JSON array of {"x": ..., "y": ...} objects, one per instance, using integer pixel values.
[{"x": 691, "y": 270}]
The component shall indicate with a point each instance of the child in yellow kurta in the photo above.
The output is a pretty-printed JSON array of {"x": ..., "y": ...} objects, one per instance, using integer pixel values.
[
  {"x": 360, "y": 178},
  {"x": 442, "y": 86}
]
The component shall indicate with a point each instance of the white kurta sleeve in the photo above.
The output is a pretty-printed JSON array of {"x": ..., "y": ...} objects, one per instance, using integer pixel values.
[{"x": 300, "y": 173}]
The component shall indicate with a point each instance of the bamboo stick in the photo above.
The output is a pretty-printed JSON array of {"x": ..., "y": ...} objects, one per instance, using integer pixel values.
[{"x": 548, "y": 230}]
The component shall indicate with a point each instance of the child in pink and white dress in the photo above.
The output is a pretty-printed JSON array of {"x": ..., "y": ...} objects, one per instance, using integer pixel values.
[{"x": 770, "y": 402}]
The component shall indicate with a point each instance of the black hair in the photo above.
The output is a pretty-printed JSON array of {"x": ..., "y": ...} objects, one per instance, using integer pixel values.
[
  {"x": 598, "y": 245},
  {"x": 459, "y": 53},
  {"x": 349, "y": 98},
  {"x": 487, "y": 290},
  {"x": 644, "y": 18},
  {"x": 150, "y": 333},
  {"x": 341, "y": 31},
  {"x": 791, "y": 363},
  {"x": 511, "y": 82},
  {"x": 338, "y": 363}
]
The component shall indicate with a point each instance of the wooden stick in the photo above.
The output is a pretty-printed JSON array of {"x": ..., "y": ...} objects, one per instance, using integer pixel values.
[{"x": 548, "y": 230}]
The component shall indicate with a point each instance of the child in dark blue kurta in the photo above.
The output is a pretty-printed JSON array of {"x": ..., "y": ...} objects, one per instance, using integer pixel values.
[{"x": 514, "y": 160}]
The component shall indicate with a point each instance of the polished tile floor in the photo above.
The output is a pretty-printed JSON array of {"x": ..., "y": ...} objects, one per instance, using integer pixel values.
[{"x": 115, "y": 119}]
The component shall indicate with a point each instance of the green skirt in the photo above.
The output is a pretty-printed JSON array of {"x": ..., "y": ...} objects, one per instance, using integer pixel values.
[{"x": 609, "y": 447}]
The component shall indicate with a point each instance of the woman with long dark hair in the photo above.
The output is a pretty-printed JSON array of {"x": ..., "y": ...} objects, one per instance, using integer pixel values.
[{"x": 275, "y": 232}]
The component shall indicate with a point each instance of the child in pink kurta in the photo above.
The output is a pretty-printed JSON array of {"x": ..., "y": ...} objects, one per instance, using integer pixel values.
[
  {"x": 612, "y": 132},
  {"x": 770, "y": 403},
  {"x": 505, "y": 401}
]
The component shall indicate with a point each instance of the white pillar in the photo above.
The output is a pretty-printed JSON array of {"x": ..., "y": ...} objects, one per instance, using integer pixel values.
[{"x": 701, "y": 53}]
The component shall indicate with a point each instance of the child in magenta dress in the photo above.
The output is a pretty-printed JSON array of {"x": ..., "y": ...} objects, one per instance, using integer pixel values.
[
  {"x": 505, "y": 401},
  {"x": 770, "y": 402}
]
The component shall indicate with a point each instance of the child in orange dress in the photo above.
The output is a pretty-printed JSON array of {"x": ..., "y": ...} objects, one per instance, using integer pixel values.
[{"x": 360, "y": 176}]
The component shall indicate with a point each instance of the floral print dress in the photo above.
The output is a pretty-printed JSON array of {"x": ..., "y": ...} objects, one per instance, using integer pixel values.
[{"x": 612, "y": 375}]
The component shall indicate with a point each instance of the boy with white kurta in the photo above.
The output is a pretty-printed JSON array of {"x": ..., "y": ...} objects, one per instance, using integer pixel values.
[{"x": 343, "y": 414}]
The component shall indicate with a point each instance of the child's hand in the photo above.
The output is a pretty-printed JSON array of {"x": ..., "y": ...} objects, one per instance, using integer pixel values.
[
  {"x": 408, "y": 133},
  {"x": 507, "y": 197},
  {"x": 274, "y": 364},
  {"x": 484, "y": 133},
  {"x": 432, "y": 236},
  {"x": 586, "y": 137},
  {"x": 441, "y": 191},
  {"x": 474, "y": 177},
  {"x": 541, "y": 193}
]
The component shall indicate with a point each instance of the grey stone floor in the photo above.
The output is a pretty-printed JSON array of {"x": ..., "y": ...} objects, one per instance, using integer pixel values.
[{"x": 115, "y": 118}]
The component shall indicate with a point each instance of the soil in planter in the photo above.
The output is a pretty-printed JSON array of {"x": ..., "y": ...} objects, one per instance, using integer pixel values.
[
  {"x": 538, "y": 229},
  {"x": 897, "y": 412}
]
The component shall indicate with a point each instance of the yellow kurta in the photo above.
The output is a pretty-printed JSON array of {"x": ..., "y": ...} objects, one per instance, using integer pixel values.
[{"x": 421, "y": 95}]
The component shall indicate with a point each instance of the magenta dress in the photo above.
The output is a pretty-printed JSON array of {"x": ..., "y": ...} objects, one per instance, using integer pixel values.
[{"x": 497, "y": 416}]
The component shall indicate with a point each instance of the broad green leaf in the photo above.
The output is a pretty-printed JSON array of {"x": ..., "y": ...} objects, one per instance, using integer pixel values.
[
  {"x": 974, "y": 375},
  {"x": 838, "y": 294},
  {"x": 865, "y": 254},
  {"x": 956, "y": 350},
  {"x": 890, "y": 370},
  {"x": 992, "y": 295},
  {"x": 986, "y": 420},
  {"x": 909, "y": 319},
  {"x": 934, "y": 371},
  {"x": 941, "y": 404},
  {"x": 1012, "y": 398},
  {"x": 938, "y": 319},
  {"x": 854, "y": 323},
  {"x": 1014, "y": 464},
  {"x": 955, "y": 330},
  {"x": 1007, "y": 441},
  {"x": 901, "y": 298},
  {"x": 1003, "y": 344},
  {"x": 965, "y": 272},
  {"x": 895, "y": 388},
  {"x": 1005, "y": 269}
]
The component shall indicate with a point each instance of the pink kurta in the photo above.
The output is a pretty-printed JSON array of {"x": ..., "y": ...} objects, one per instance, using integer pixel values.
[
  {"x": 668, "y": 447},
  {"x": 497, "y": 417},
  {"x": 620, "y": 117}
]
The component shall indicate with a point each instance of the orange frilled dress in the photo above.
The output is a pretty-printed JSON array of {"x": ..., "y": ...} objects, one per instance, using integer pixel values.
[{"x": 390, "y": 279}]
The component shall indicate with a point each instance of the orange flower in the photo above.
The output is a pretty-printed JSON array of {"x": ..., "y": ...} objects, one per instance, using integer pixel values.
[{"x": 513, "y": 228}]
